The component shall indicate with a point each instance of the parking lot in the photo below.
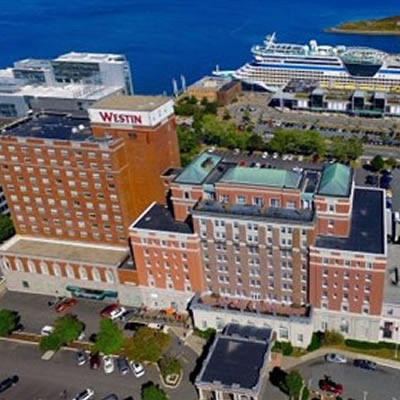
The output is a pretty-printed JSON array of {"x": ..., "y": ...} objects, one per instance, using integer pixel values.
[
  {"x": 46, "y": 380},
  {"x": 358, "y": 384}
]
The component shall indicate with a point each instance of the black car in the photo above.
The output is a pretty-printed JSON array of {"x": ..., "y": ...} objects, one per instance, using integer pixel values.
[
  {"x": 8, "y": 383},
  {"x": 365, "y": 364},
  {"x": 133, "y": 326},
  {"x": 111, "y": 397}
]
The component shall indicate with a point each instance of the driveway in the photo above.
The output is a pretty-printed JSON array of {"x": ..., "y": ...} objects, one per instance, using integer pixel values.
[
  {"x": 358, "y": 384},
  {"x": 45, "y": 380}
]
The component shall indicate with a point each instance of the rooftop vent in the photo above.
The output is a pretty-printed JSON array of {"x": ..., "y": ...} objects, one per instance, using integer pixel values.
[
  {"x": 81, "y": 127},
  {"x": 147, "y": 219}
]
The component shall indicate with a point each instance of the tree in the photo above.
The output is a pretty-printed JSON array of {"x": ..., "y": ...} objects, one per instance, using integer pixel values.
[
  {"x": 147, "y": 345},
  {"x": 346, "y": 150},
  {"x": 66, "y": 330},
  {"x": 391, "y": 162},
  {"x": 6, "y": 227},
  {"x": 255, "y": 142},
  {"x": 8, "y": 322},
  {"x": 227, "y": 115},
  {"x": 109, "y": 339},
  {"x": 377, "y": 163},
  {"x": 294, "y": 382},
  {"x": 153, "y": 392}
]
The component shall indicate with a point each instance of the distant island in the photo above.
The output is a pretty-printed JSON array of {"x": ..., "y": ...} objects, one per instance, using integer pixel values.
[{"x": 383, "y": 26}]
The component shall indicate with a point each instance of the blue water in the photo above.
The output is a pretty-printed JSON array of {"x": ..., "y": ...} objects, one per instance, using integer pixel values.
[{"x": 164, "y": 38}]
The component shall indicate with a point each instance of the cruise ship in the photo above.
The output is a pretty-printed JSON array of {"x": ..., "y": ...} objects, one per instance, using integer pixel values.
[{"x": 275, "y": 64}]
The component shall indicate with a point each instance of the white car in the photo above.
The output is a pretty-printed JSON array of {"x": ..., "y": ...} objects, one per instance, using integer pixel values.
[
  {"x": 114, "y": 314},
  {"x": 336, "y": 358},
  {"x": 108, "y": 364},
  {"x": 137, "y": 369},
  {"x": 84, "y": 395},
  {"x": 47, "y": 330}
]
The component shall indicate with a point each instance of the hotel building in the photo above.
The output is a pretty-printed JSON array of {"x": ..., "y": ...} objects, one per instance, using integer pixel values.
[{"x": 74, "y": 185}]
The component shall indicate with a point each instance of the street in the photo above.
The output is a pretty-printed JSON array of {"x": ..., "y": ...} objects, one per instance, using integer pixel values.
[{"x": 382, "y": 384}]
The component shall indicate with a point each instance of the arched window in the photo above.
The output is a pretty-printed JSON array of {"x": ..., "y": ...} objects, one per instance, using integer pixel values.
[
  {"x": 96, "y": 275},
  {"x": 56, "y": 269},
  {"x": 110, "y": 276},
  {"x": 6, "y": 264},
  {"x": 31, "y": 266},
  {"x": 83, "y": 273},
  {"x": 70, "y": 271},
  {"x": 19, "y": 265},
  {"x": 44, "y": 268}
]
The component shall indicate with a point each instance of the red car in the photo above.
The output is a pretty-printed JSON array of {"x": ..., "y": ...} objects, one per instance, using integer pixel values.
[
  {"x": 106, "y": 311},
  {"x": 94, "y": 360},
  {"x": 64, "y": 305},
  {"x": 327, "y": 385}
]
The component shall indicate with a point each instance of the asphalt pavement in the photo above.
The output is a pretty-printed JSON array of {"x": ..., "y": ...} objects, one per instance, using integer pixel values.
[
  {"x": 46, "y": 380},
  {"x": 358, "y": 384}
]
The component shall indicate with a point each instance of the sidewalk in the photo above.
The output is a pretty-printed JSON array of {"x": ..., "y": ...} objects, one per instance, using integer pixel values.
[{"x": 292, "y": 362}]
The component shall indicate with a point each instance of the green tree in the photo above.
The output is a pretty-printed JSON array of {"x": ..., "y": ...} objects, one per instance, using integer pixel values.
[
  {"x": 211, "y": 108},
  {"x": 346, "y": 150},
  {"x": 66, "y": 330},
  {"x": 255, "y": 142},
  {"x": 153, "y": 392},
  {"x": 227, "y": 115},
  {"x": 306, "y": 394},
  {"x": 8, "y": 322},
  {"x": 391, "y": 162},
  {"x": 316, "y": 341},
  {"x": 146, "y": 345},
  {"x": 109, "y": 339},
  {"x": 294, "y": 382},
  {"x": 169, "y": 366},
  {"x": 6, "y": 228},
  {"x": 377, "y": 163}
]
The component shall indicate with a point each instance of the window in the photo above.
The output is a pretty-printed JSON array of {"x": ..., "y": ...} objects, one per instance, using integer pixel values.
[
  {"x": 241, "y": 199},
  {"x": 56, "y": 269},
  {"x": 331, "y": 208},
  {"x": 44, "y": 269},
  {"x": 96, "y": 274},
  {"x": 224, "y": 198},
  {"x": 70, "y": 272},
  {"x": 275, "y": 203},
  {"x": 31, "y": 266},
  {"x": 291, "y": 204},
  {"x": 331, "y": 223},
  {"x": 109, "y": 276},
  {"x": 83, "y": 273},
  {"x": 283, "y": 333},
  {"x": 18, "y": 265},
  {"x": 187, "y": 195},
  {"x": 258, "y": 201}
]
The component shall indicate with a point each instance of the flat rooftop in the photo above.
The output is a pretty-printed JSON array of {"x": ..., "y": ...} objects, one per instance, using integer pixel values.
[
  {"x": 52, "y": 126},
  {"x": 91, "y": 57},
  {"x": 159, "y": 218},
  {"x": 69, "y": 251},
  {"x": 210, "y": 82},
  {"x": 367, "y": 232},
  {"x": 131, "y": 103},
  {"x": 236, "y": 361}
]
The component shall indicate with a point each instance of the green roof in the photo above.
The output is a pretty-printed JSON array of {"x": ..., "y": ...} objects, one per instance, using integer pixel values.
[
  {"x": 335, "y": 180},
  {"x": 262, "y": 176},
  {"x": 199, "y": 169}
]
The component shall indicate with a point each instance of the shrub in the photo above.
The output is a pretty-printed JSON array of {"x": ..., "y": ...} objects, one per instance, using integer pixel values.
[
  {"x": 206, "y": 334},
  {"x": 277, "y": 347},
  {"x": 316, "y": 341},
  {"x": 358, "y": 344},
  {"x": 8, "y": 322},
  {"x": 306, "y": 394},
  {"x": 287, "y": 348},
  {"x": 333, "y": 338},
  {"x": 153, "y": 392},
  {"x": 169, "y": 366},
  {"x": 51, "y": 342}
]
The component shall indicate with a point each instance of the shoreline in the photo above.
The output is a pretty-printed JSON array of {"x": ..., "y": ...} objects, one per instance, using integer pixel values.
[{"x": 361, "y": 32}]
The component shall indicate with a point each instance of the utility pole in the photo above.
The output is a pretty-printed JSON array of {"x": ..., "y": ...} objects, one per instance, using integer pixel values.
[{"x": 365, "y": 395}]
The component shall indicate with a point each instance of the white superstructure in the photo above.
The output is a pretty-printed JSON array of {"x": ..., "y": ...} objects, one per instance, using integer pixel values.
[{"x": 275, "y": 64}]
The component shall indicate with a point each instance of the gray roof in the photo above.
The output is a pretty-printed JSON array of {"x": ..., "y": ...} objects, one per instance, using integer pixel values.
[
  {"x": 160, "y": 218},
  {"x": 367, "y": 225},
  {"x": 131, "y": 103}
]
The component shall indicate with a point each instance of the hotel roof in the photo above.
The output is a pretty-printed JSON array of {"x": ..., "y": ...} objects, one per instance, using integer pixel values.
[
  {"x": 261, "y": 176},
  {"x": 131, "y": 103},
  {"x": 367, "y": 232}
]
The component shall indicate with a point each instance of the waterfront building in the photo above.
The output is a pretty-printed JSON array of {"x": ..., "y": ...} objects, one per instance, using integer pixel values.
[
  {"x": 75, "y": 184},
  {"x": 70, "y": 83}
]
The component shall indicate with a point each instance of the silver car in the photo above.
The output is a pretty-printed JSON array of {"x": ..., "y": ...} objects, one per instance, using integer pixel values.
[{"x": 336, "y": 358}]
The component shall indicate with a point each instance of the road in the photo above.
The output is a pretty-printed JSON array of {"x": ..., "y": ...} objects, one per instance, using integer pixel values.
[{"x": 382, "y": 384}]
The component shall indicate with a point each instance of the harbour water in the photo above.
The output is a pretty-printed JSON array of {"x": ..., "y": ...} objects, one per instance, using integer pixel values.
[{"x": 165, "y": 38}]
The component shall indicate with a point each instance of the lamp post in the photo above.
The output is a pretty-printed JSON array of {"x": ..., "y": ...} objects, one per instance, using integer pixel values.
[{"x": 365, "y": 395}]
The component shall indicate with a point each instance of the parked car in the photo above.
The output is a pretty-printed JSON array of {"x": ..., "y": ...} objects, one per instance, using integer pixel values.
[
  {"x": 156, "y": 325},
  {"x": 112, "y": 311},
  {"x": 127, "y": 315},
  {"x": 123, "y": 366},
  {"x": 47, "y": 330},
  {"x": 93, "y": 337},
  {"x": 365, "y": 364},
  {"x": 328, "y": 385},
  {"x": 137, "y": 369},
  {"x": 336, "y": 358},
  {"x": 133, "y": 326},
  {"x": 8, "y": 383},
  {"x": 129, "y": 398},
  {"x": 111, "y": 397},
  {"x": 94, "y": 360},
  {"x": 66, "y": 304},
  {"x": 54, "y": 301},
  {"x": 84, "y": 395},
  {"x": 108, "y": 364},
  {"x": 81, "y": 358}
]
